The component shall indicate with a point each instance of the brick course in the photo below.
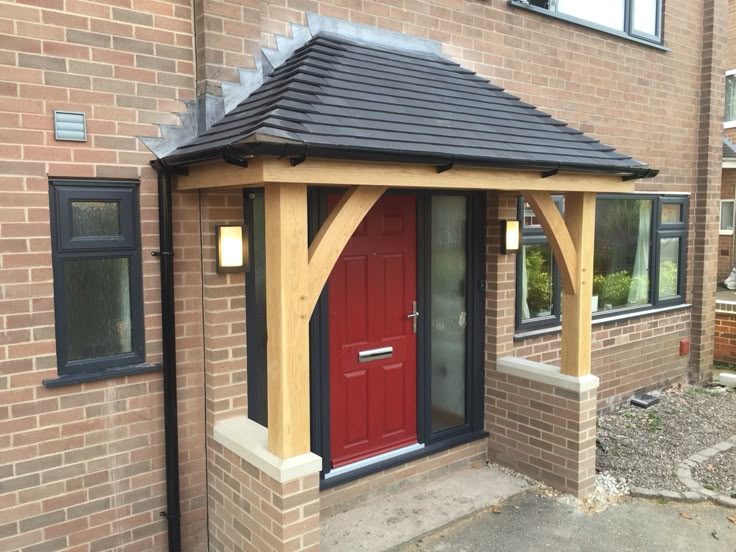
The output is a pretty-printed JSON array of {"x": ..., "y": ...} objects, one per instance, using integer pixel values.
[{"x": 725, "y": 338}]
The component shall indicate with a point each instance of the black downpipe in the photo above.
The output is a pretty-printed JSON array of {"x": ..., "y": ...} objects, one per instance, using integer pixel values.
[{"x": 168, "y": 323}]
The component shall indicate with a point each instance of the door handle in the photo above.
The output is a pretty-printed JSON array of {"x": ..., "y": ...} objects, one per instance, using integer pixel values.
[{"x": 414, "y": 314}]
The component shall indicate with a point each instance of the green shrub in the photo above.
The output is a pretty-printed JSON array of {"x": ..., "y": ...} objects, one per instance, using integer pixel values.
[{"x": 539, "y": 283}]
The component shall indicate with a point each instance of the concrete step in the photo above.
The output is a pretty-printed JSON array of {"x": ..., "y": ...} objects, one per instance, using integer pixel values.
[{"x": 390, "y": 521}]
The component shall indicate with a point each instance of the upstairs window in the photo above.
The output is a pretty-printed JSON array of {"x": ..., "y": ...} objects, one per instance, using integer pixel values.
[
  {"x": 638, "y": 18},
  {"x": 98, "y": 295}
]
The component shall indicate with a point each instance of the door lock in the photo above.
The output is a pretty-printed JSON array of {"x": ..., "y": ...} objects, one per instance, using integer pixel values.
[{"x": 413, "y": 315}]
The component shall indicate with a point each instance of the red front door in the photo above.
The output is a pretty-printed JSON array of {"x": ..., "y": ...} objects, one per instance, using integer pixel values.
[{"x": 371, "y": 291}]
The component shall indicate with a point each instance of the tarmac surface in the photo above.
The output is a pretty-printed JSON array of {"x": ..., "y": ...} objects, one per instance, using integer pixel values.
[{"x": 528, "y": 522}]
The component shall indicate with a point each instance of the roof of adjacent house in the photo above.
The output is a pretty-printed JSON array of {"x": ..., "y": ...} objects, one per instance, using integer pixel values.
[
  {"x": 334, "y": 98},
  {"x": 729, "y": 149}
]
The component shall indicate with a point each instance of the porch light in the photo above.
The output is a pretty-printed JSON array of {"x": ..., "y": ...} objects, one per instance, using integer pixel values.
[
  {"x": 231, "y": 243},
  {"x": 510, "y": 236}
]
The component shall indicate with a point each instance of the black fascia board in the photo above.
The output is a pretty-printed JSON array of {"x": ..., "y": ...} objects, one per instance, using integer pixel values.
[{"x": 290, "y": 150}]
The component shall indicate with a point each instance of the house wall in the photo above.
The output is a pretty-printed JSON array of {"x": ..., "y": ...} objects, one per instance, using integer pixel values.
[{"x": 83, "y": 465}]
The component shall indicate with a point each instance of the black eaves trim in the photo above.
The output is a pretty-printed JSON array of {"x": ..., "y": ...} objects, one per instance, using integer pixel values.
[
  {"x": 84, "y": 377},
  {"x": 586, "y": 24}
]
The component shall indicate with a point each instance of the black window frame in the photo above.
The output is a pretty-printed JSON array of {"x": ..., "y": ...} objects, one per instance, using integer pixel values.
[
  {"x": 65, "y": 247},
  {"x": 659, "y": 230},
  {"x": 547, "y": 7}
]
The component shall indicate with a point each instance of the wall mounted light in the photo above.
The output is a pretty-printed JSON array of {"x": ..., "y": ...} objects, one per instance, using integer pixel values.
[
  {"x": 510, "y": 236},
  {"x": 231, "y": 245}
]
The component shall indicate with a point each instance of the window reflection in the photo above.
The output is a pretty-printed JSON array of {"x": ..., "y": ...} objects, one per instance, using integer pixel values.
[
  {"x": 536, "y": 288},
  {"x": 622, "y": 253}
]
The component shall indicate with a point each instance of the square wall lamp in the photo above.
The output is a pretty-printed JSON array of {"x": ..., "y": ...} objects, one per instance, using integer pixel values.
[
  {"x": 231, "y": 248},
  {"x": 510, "y": 236}
]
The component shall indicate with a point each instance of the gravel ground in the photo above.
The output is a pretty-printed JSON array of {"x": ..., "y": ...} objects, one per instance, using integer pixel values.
[
  {"x": 719, "y": 474},
  {"x": 643, "y": 447}
]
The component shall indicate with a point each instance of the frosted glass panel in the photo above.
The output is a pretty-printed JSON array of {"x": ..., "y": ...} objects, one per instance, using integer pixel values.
[
  {"x": 669, "y": 267},
  {"x": 603, "y": 12},
  {"x": 448, "y": 306},
  {"x": 97, "y": 297},
  {"x": 95, "y": 218},
  {"x": 644, "y": 17},
  {"x": 671, "y": 213}
]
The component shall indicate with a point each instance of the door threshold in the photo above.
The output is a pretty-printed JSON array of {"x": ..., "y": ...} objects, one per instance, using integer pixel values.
[{"x": 373, "y": 460}]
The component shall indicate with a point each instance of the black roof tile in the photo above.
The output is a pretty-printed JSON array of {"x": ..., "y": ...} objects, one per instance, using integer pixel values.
[{"x": 336, "y": 98}]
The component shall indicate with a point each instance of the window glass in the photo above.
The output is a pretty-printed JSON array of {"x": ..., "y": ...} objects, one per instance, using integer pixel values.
[
  {"x": 730, "y": 113},
  {"x": 727, "y": 212},
  {"x": 622, "y": 253},
  {"x": 609, "y": 13},
  {"x": 644, "y": 17},
  {"x": 669, "y": 267},
  {"x": 98, "y": 315},
  {"x": 255, "y": 309},
  {"x": 448, "y": 311},
  {"x": 671, "y": 213},
  {"x": 95, "y": 218},
  {"x": 98, "y": 283},
  {"x": 536, "y": 281}
]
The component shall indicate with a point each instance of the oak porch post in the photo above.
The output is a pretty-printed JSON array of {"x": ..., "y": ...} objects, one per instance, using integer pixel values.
[
  {"x": 296, "y": 273},
  {"x": 287, "y": 319},
  {"x": 577, "y": 303}
]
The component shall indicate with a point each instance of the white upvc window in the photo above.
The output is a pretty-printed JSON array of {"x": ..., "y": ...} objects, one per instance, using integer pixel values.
[
  {"x": 637, "y": 18},
  {"x": 729, "y": 119},
  {"x": 727, "y": 217}
]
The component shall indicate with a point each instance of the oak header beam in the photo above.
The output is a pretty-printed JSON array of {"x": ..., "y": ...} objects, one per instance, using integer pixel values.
[{"x": 324, "y": 172}]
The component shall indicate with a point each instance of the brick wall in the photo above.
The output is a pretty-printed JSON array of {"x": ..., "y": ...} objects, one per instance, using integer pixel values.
[
  {"x": 629, "y": 356},
  {"x": 83, "y": 465},
  {"x": 543, "y": 431},
  {"x": 725, "y": 338},
  {"x": 251, "y": 511},
  {"x": 706, "y": 198}
]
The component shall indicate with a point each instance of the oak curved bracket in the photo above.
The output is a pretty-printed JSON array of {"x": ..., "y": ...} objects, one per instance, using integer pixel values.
[
  {"x": 334, "y": 234},
  {"x": 558, "y": 235}
]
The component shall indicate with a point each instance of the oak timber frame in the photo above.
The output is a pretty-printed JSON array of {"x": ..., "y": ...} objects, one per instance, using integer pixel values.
[{"x": 297, "y": 271}]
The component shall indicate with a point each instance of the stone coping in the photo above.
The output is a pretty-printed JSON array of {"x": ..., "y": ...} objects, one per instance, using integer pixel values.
[
  {"x": 546, "y": 373},
  {"x": 696, "y": 492},
  {"x": 249, "y": 440}
]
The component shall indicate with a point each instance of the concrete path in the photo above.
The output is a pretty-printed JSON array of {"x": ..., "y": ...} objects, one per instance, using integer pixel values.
[
  {"x": 387, "y": 522},
  {"x": 532, "y": 523}
]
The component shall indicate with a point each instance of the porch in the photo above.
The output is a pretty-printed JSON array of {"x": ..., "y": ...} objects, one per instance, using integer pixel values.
[{"x": 271, "y": 477}]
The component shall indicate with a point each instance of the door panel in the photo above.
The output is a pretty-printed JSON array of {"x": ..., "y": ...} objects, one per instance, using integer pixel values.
[{"x": 371, "y": 290}]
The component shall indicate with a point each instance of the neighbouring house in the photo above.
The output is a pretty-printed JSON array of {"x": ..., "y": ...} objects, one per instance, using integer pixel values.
[
  {"x": 378, "y": 322},
  {"x": 725, "y": 325}
]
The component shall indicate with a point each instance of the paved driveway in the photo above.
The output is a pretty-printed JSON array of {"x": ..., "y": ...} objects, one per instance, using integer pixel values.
[{"x": 529, "y": 523}]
